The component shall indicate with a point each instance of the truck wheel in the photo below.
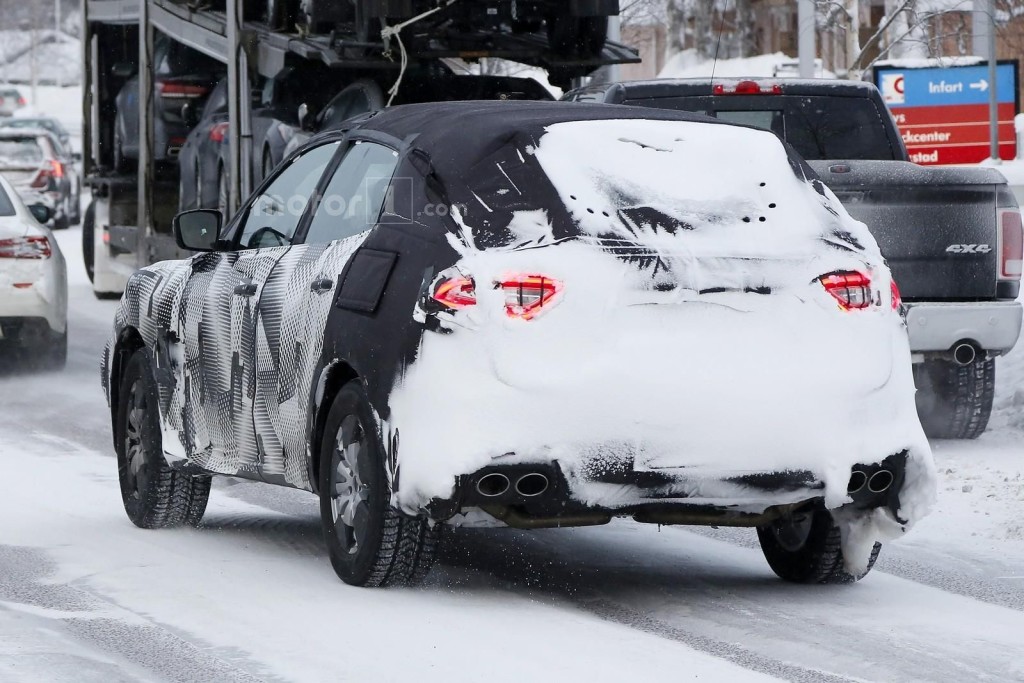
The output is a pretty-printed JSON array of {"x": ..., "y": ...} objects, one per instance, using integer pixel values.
[
  {"x": 955, "y": 401},
  {"x": 370, "y": 543},
  {"x": 154, "y": 495},
  {"x": 88, "y": 245},
  {"x": 806, "y": 548}
]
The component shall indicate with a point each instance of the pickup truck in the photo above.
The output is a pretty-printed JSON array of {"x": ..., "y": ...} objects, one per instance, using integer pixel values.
[{"x": 952, "y": 236}]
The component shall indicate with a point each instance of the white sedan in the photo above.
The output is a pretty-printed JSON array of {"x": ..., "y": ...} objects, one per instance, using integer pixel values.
[{"x": 33, "y": 284}]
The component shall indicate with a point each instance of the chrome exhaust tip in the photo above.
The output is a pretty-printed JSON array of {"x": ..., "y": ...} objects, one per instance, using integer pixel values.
[
  {"x": 880, "y": 481},
  {"x": 857, "y": 481},
  {"x": 964, "y": 353},
  {"x": 492, "y": 485},
  {"x": 532, "y": 484}
]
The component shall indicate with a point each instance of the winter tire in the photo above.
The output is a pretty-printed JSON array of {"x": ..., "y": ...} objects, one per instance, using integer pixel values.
[
  {"x": 370, "y": 543},
  {"x": 88, "y": 245},
  {"x": 154, "y": 495},
  {"x": 955, "y": 401},
  {"x": 807, "y": 548}
]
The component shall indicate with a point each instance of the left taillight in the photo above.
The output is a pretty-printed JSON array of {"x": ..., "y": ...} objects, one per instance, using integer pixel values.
[
  {"x": 53, "y": 169},
  {"x": 30, "y": 247},
  {"x": 525, "y": 295},
  {"x": 851, "y": 290}
]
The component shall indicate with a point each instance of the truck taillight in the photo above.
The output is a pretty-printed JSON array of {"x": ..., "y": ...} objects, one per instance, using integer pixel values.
[
  {"x": 30, "y": 247},
  {"x": 746, "y": 88},
  {"x": 1010, "y": 244},
  {"x": 851, "y": 290}
]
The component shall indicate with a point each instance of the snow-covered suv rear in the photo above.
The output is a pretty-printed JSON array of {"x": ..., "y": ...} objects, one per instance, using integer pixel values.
[{"x": 551, "y": 315}]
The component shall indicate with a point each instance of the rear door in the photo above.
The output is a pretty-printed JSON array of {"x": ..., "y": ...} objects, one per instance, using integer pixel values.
[
  {"x": 226, "y": 288},
  {"x": 298, "y": 298}
]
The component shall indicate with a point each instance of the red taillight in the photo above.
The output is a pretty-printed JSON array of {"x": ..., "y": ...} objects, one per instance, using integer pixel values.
[
  {"x": 30, "y": 247},
  {"x": 1011, "y": 244},
  {"x": 897, "y": 300},
  {"x": 527, "y": 295},
  {"x": 22, "y": 101},
  {"x": 180, "y": 90},
  {"x": 219, "y": 132},
  {"x": 52, "y": 169},
  {"x": 851, "y": 290},
  {"x": 455, "y": 292},
  {"x": 746, "y": 88}
]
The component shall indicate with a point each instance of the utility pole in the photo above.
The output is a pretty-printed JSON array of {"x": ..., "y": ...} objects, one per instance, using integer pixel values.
[
  {"x": 58, "y": 37},
  {"x": 993, "y": 96},
  {"x": 805, "y": 37}
]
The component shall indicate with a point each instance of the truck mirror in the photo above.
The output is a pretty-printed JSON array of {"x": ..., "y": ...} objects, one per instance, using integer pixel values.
[
  {"x": 304, "y": 122},
  {"x": 123, "y": 69},
  {"x": 197, "y": 230}
]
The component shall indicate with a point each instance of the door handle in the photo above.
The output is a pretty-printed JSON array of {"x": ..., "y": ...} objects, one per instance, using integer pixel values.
[
  {"x": 245, "y": 289},
  {"x": 322, "y": 285}
]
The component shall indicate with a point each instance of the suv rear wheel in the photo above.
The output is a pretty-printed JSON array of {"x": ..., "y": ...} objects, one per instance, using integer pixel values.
[
  {"x": 955, "y": 401},
  {"x": 807, "y": 548},
  {"x": 370, "y": 543},
  {"x": 154, "y": 495}
]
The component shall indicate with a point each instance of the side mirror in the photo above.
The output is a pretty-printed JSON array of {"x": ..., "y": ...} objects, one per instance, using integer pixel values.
[
  {"x": 41, "y": 212},
  {"x": 189, "y": 115},
  {"x": 197, "y": 230},
  {"x": 304, "y": 120},
  {"x": 123, "y": 69}
]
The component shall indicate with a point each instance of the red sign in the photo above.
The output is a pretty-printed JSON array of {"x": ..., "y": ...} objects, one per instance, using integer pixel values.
[{"x": 954, "y": 134}]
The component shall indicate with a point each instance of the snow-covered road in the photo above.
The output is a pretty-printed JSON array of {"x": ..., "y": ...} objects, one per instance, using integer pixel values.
[{"x": 250, "y": 595}]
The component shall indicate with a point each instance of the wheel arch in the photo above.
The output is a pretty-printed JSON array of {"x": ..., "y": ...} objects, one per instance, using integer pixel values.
[
  {"x": 333, "y": 376},
  {"x": 129, "y": 340}
]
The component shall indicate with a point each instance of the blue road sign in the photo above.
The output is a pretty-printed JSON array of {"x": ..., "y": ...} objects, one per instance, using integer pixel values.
[{"x": 940, "y": 87}]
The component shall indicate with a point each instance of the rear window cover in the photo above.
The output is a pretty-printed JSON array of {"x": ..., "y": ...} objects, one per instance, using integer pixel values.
[{"x": 20, "y": 152}]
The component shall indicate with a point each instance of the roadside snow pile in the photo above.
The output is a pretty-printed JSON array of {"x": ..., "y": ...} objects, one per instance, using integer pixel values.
[
  {"x": 696, "y": 346},
  {"x": 690, "y": 64}
]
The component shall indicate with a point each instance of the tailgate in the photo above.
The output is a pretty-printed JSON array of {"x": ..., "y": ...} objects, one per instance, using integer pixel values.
[{"x": 935, "y": 227}]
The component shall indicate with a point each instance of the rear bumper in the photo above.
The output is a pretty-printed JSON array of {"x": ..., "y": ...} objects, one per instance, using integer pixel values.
[{"x": 993, "y": 325}]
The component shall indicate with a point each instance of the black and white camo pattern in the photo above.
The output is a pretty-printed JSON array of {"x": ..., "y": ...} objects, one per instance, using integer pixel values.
[{"x": 235, "y": 372}]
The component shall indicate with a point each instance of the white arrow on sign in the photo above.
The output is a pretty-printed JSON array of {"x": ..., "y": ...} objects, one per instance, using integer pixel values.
[{"x": 981, "y": 85}]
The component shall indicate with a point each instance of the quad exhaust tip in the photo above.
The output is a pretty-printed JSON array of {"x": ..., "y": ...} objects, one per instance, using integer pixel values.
[
  {"x": 492, "y": 485},
  {"x": 857, "y": 481},
  {"x": 880, "y": 481},
  {"x": 964, "y": 353},
  {"x": 530, "y": 485}
]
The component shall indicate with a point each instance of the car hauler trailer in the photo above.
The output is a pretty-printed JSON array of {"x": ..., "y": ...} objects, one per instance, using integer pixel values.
[{"x": 128, "y": 223}]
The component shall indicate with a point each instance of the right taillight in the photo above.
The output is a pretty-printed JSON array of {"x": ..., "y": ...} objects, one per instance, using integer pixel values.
[
  {"x": 897, "y": 300},
  {"x": 30, "y": 247},
  {"x": 851, "y": 290},
  {"x": 1010, "y": 244}
]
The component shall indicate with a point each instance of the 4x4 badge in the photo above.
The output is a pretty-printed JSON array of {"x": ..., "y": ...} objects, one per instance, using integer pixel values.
[{"x": 968, "y": 249}]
